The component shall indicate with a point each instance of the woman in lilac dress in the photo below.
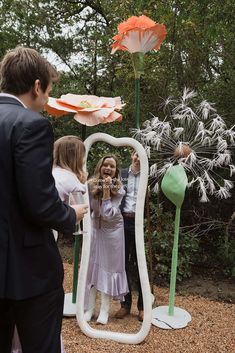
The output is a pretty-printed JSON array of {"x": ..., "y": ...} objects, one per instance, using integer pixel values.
[{"x": 106, "y": 271}]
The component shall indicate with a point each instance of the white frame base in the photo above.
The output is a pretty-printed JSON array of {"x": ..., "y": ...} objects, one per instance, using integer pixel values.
[
  {"x": 162, "y": 319},
  {"x": 70, "y": 308}
]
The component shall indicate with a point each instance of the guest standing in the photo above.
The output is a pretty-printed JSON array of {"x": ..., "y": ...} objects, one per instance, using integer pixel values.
[
  {"x": 31, "y": 270},
  {"x": 106, "y": 271},
  {"x": 131, "y": 176}
]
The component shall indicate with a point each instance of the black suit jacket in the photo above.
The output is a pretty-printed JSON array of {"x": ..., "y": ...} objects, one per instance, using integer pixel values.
[
  {"x": 30, "y": 263},
  {"x": 124, "y": 179}
]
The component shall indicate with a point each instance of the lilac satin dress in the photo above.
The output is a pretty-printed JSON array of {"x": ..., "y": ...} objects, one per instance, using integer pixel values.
[{"x": 106, "y": 270}]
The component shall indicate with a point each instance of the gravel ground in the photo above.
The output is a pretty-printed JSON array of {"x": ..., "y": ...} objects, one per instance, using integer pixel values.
[{"x": 212, "y": 329}]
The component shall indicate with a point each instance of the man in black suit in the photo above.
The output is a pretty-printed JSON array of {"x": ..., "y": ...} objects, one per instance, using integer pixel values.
[
  {"x": 130, "y": 177},
  {"x": 31, "y": 270}
]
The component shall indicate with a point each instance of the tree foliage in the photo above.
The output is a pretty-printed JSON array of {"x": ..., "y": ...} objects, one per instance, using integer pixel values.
[
  {"x": 76, "y": 36},
  {"x": 198, "y": 51}
]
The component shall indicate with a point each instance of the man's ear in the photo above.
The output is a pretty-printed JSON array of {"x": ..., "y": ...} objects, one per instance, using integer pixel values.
[{"x": 36, "y": 88}]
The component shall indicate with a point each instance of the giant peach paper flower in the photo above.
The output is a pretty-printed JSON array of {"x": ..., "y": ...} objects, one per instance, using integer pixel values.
[
  {"x": 139, "y": 34},
  {"x": 89, "y": 110}
]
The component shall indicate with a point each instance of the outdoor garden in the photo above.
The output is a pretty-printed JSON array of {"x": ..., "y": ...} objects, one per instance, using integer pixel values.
[{"x": 168, "y": 70}]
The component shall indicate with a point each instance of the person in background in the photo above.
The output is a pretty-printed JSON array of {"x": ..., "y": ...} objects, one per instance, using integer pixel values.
[
  {"x": 131, "y": 176},
  {"x": 31, "y": 269},
  {"x": 106, "y": 270},
  {"x": 69, "y": 154}
]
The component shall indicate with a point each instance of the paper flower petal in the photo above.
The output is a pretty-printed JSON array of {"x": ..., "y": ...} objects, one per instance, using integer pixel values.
[
  {"x": 102, "y": 116},
  {"x": 56, "y": 109},
  {"x": 89, "y": 110},
  {"x": 139, "y": 34}
]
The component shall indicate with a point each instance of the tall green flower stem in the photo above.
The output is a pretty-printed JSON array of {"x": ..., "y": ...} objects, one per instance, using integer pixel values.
[
  {"x": 77, "y": 246},
  {"x": 76, "y": 252},
  {"x": 174, "y": 261},
  {"x": 83, "y": 132},
  {"x": 138, "y": 64},
  {"x": 137, "y": 103}
]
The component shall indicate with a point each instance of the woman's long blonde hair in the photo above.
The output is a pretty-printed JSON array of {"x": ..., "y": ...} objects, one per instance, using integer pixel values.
[
  {"x": 69, "y": 153},
  {"x": 95, "y": 183}
]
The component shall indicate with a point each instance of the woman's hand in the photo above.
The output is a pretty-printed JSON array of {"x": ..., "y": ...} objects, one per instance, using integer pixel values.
[{"x": 107, "y": 182}]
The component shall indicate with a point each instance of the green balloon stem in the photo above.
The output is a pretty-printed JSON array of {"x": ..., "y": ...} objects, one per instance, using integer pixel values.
[
  {"x": 76, "y": 252},
  {"x": 174, "y": 261}
]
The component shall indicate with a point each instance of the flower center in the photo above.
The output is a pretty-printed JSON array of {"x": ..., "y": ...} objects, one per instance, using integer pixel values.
[
  {"x": 85, "y": 104},
  {"x": 182, "y": 151}
]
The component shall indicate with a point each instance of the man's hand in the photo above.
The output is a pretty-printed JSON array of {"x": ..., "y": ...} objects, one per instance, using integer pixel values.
[{"x": 80, "y": 210}]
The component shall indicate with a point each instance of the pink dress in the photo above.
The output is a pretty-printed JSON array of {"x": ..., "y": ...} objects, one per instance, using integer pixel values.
[{"x": 106, "y": 270}]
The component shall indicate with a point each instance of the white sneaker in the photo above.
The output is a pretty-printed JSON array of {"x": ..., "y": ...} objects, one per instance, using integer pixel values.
[
  {"x": 104, "y": 309},
  {"x": 88, "y": 315},
  {"x": 91, "y": 311}
]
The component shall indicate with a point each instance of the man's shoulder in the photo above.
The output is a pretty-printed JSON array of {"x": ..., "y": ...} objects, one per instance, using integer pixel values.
[
  {"x": 6, "y": 98},
  {"x": 17, "y": 119},
  {"x": 10, "y": 105},
  {"x": 30, "y": 119},
  {"x": 124, "y": 175},
  {"x": 125, "y": 170}
]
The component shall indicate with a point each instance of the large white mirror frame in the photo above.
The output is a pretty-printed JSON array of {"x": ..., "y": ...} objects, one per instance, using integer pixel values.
[{"x": 128, "y": 338}]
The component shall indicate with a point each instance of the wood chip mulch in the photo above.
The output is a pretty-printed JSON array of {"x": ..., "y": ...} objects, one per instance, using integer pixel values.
[{"x": 212, "y": 329}]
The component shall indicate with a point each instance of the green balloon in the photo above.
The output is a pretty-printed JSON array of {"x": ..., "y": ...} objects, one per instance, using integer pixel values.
[{"x": 174, "y": 184}]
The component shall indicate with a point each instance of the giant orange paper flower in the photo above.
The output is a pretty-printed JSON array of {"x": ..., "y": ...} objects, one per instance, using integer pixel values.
[
  {"x": 139, "y": 34},
  {"x": 88, "y": 110}
]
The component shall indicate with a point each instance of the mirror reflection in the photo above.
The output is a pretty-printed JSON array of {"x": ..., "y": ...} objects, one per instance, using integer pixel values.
[{"x": 113, "y": 290}]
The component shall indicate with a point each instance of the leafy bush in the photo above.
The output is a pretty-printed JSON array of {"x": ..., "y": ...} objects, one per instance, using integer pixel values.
[
  {"x": 225, "y": 254},
  {"x": 162, "y": 244}
]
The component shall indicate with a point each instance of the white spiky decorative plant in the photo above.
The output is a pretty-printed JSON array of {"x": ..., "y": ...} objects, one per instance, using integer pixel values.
[{"x": 195, "y": 137}]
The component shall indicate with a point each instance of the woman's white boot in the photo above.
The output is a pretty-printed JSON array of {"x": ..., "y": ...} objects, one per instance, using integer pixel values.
[
  {"x": 104, "y": 309},
  {"x": 91, "y": 305}
]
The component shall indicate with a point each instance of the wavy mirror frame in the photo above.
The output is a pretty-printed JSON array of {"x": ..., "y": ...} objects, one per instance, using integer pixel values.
[{"x": 128, "y": 338}]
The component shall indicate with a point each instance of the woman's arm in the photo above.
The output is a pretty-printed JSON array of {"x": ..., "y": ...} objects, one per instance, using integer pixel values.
[{"x": 110, "y": 206}]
